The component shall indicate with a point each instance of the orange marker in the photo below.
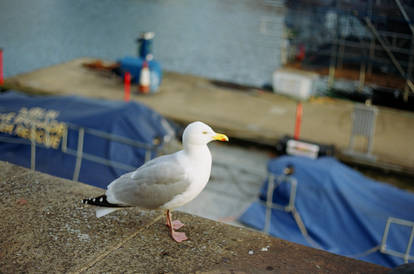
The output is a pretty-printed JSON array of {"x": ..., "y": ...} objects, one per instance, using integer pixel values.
[
  {"x": 299, "y": 112},
  {"x": 127, "y": 86}
]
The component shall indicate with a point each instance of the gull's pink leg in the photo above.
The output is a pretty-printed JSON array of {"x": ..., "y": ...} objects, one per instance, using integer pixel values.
[
  {"x": 177, "y": 236},
  {"x": 167, "y": 214},
  {"x": 176, "y": 224}
]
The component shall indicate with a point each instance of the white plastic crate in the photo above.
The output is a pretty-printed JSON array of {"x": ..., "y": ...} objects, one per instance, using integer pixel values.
[{"x": 295, "y": 83}]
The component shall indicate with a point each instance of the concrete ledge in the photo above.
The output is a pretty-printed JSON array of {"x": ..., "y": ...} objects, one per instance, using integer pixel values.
[{"x": 45, "y": 228}]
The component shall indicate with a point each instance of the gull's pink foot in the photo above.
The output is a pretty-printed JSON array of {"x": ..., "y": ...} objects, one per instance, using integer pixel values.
[
  {"x": 177, "y": 224},
  {"x": 172, "y": 225},
  {"x": 178, "y": 236}
]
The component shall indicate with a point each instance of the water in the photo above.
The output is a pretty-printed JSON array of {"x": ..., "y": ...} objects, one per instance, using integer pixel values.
[{"x": 230, "y": 40}]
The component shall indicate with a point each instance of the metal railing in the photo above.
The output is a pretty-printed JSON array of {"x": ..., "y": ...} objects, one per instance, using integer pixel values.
[
  {"x": 79, "y": 152},
  {"x": 383, "y": 247},
  {"x": 276, "y": 181},
  {"x": 273, "y": 183}
]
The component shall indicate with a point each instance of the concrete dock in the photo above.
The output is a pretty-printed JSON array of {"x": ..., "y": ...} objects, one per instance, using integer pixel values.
[
  {"x": 45, "y": 228},
  {"x": 252, "y": 115}
]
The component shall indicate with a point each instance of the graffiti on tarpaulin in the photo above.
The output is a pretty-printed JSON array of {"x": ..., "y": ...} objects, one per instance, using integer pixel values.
[{"x": 35, "y": 123}]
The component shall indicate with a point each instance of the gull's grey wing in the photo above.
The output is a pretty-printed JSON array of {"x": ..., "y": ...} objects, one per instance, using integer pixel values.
[{"x": 152, "y": 185}]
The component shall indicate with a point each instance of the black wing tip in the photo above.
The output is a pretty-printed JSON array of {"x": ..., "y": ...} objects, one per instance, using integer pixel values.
[{"x": 99, "y": 201}]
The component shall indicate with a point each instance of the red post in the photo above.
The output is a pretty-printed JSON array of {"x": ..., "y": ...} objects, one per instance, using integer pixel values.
[
  {"x": 127, "y": 86},
  {"x": 1, "y": 67},
  {"x": 299, "y": 112}
]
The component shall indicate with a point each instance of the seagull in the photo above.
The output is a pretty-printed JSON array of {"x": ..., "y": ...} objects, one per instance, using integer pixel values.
[{"x": 166, "y": 182}]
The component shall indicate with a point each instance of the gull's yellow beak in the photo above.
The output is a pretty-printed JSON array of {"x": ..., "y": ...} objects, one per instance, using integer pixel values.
[{"x": 220, "y": 137}]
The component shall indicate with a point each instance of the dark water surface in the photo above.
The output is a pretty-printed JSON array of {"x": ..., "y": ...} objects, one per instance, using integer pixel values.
[{"x": 232, "y": 40}]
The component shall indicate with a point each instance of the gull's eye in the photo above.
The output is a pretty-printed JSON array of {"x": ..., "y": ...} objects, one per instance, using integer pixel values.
[{"x": 205, "y": 132}]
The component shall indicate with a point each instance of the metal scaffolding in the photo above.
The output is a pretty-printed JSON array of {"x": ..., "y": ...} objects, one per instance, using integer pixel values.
[{"x": 375, "y": 36}]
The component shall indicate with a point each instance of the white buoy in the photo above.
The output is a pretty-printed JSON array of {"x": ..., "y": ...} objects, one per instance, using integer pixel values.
[{"x": 144, "y": 78}]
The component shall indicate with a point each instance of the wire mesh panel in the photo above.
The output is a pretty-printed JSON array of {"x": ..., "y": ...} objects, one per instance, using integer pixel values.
[
  {"x": 364, "y": 118},
  {"x": 363, "y": 124}
]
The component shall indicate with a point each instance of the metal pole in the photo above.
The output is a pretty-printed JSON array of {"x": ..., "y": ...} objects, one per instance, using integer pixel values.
[
  {"x": 410, "y": 242},
  {"x": 79, "y": 153},
  {"x": 407, "y": 18},
  {"x": 409, "y": 69},
  {"x": 33, "y": 147},
  {"x": 341, "y": 52},
  {"x": 284, "y": 47},
  {"x": 362, "y": 76},
  {"x": 65, "y": 141},
  {"x": 332, "y": 64},
  {"x": 303, "y": 229},
  {"x": 269, "y": 202},
  {"x": 293, "y": 184},
  {"x": 372, "y": 43},
  {"x": 388, "y": 51},
  {"x": 371, "y": 55},
  {"x": 405, "y": 15},
  {"x": 385, "y": 235},
  {"x": 331, "y": 78}
]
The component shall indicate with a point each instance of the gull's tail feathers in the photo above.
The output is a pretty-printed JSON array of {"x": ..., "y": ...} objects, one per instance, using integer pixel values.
[
  {"x": 100, "y": 212},
  {"x": 102, "y": 201}
]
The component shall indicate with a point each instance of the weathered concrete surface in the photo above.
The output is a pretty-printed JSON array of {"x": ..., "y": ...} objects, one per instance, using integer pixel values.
[
  {"x": 258, "y": 116},
  {"x": 45, "y": 228}
]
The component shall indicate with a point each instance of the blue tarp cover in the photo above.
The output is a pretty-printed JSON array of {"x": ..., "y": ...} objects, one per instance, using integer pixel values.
[
  {"x": 131, "y": 120},
  {"x": 343, "y": 211}
]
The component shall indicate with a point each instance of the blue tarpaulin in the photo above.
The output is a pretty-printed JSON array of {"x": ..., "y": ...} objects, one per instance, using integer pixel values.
[
  {"x": 343, "y": 211},
  {"x": 53, "y": 116}
]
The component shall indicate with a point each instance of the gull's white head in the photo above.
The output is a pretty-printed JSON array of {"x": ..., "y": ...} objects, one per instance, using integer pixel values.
[{"x": 198, "y": 133}]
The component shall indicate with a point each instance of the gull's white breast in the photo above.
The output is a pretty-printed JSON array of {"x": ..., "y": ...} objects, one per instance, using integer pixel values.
[{"x": 198, "y": 167}]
